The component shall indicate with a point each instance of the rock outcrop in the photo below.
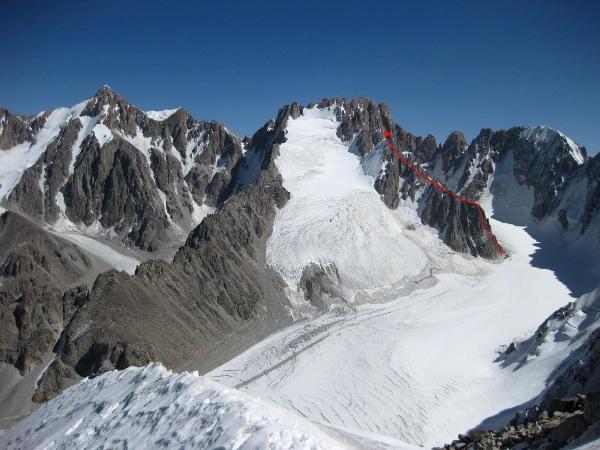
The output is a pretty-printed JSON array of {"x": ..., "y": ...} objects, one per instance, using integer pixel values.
[
  {"x": 562, "y": 423},
  {"x": 322, "y": 286},
  {"x": 35, "y": 269}
]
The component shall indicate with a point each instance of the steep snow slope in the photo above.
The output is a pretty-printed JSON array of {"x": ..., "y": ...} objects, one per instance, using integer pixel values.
[
  {"x": 151, "y": 407},
  {"x": 543, "y": 136},
  {"x": 334, "y": 215},
  {"x": 119, "y": 260},
  {"x": 14, "y": 161}
]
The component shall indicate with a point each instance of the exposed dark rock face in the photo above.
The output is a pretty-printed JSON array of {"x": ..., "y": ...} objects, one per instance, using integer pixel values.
[
  {"x": 35, "y": 266},
  {"x": 453, "y": 150},
  {"x": 120, "y": 182},
  {"x": 17, "y": 129},
  {"x": 543, "y": 160},
  {"x": 570, "y": 404},
  {"x": 218, "y": 284},
  {"x": 152, "y": 175},
  {"x": 549, "y": 428},
  {"x": 581, "y": 375},
  {"x": 53, "y": 167},
  {"x": 481, "y": 154},
  {"x": 58, "y": 377},
  {"x": 364, "y": 122},
  {"x": 321, "y": 285},
  {"x": 545, "y": 166},
  {"x": 425, "y": 149},
  {"x": 114, "y": 184},
  {"x": 459, "y": 223},
  {"x": 591, "y": 207}
]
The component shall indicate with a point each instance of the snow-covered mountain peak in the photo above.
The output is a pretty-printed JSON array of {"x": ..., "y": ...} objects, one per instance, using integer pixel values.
[{"x": 546, "y": 137}]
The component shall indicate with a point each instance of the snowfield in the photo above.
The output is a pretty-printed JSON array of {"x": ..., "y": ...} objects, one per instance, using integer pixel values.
[
  {"x": 420, "y": 368},
  {"x": 14, "y": 161},
  {"x": 151, "y": 407},
  {"x": 161, "y": 115}
]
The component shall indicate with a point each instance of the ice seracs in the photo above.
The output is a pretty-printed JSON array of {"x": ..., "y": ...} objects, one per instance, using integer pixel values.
[{"x": 334, "y": 215}]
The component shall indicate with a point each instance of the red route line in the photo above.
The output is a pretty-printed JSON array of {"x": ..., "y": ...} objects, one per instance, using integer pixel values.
[{"x": 435, "y": 184}]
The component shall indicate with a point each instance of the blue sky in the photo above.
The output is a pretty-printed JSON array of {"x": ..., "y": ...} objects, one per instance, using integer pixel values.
[{"x": 440, "y": 65}]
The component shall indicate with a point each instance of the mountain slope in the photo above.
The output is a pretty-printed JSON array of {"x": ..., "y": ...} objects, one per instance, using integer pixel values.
[
  {"x": 311, "y": 218},
  {"x": 172, "y": 410},
  {"x": 540, "y": 179},
  {"x": 334, "y": 217}
]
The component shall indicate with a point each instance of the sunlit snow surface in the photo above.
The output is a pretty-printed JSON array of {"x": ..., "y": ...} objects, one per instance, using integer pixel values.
[
  {"x": 334, "y": 215},
  {"x": 151, "y": 407},
  {"x": 161, "y": 115},
  {"x": 419, "y": 368}
]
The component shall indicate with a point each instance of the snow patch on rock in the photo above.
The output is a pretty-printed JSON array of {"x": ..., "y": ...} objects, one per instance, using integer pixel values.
[{"x": 161, "y": 115}]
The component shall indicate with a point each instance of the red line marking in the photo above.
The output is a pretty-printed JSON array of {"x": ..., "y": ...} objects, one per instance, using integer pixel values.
[{"x": 438, "y": 186}]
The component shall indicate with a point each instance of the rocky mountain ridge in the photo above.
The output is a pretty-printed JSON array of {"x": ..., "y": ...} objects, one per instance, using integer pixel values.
[{"x": 111, "y": 169}]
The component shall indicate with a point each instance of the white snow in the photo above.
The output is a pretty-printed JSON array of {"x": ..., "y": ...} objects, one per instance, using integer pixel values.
[
  {"x": 418, "y": 367},
  {"x": 116, "y": 259},
  {"x": 151, "y": 407},
  {"x": 139, "y": 141},
  {"x": 562, "y": 333},
  {"x": 373, "y": 163},
  {"x": 193, "y": 149},
  {"x": 161, "y": 115},
  {"x": 543, "y": 135},
  {"x": 14, "y": 161},
  {"x": 334, "y": 215},
  {"x": 102, "y": 133},
  {"x": 87, "y": 125},
  {"x": 506, "y": 199},
  {"x": 200, "y": 212}
]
